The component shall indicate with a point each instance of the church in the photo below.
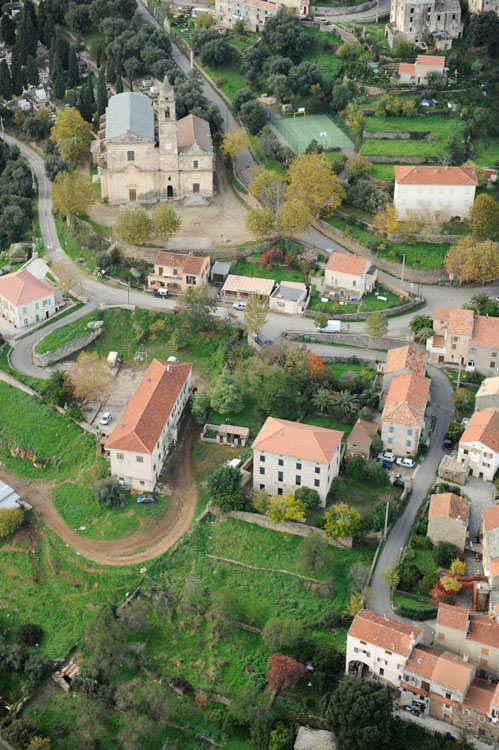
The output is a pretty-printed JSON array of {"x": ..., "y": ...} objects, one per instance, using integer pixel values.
[{"x": 146, "y": 156}]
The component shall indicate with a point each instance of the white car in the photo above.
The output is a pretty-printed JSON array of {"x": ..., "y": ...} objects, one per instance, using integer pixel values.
[
  {"x": 239, "y": 305},
  {"x": 408, "y": 463},
  {"x": 106, "y": 418},
  {"x": 171, "y": 358},
  {"x": 386, "y": 456}
]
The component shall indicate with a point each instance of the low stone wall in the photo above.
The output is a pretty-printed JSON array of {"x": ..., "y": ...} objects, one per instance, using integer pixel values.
[
  {"x": 42, "y": 360},
  {"x": 399, "y": 310},
  {"x": 289, "y": 528},
  {"x": 324, "y": 10},
  {"x": 360, "y": 340},
  {"x": 388, "y": 135},
  {"x": 401, "y": 159},
  {"x": 149, "y": 253},
  {"x": 414, "y": 275}
]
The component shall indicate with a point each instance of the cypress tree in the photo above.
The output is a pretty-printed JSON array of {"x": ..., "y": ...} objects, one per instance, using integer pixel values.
[
  {"x": 49, "y": 30},
  {"x": 40, "y": 22},
  {"x": 110, "y": 69},
  {"x": 98, "y": 55},
  {"x": 62, "y": 48},
  {"x": 101, "y": 93},
  {"x": 85, "y": 105},
  {"x": 90, "y": 86},
  {"x": 119, "y": 85},
  {"x": 5, "y": 80},
  {"x": 52, "y": 56},
  {"x": 58, "y": 80},
  {"x": 8, "y": 30},
  {"x": 32, "y": 73},
  {"x": 30, "y": 12},
  {"x": 73, "y": 72},
  {"x": 15, "y": 71}
]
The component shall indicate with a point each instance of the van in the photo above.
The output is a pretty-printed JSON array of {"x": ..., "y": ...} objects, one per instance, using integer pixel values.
[
  {"x": 160, "y": 293},
  {"x": 332, "y": 326}
]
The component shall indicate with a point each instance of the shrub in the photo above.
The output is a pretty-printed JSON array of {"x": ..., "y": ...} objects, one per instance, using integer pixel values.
[
  {"x": 427, "y": 582},
  {"x": 338, "y": 487},
  {"x": 224, "y": 486},
  {"x": 30, "y": 634},
  {"x": 444, "y": 553},
  {"x": 415, "y": 613},
  {"x": 10, "y": 520},
  {"x": 308, "y": 496},
  {"x": 282, "y": 634},
  {"x": 109, "y": 493}
]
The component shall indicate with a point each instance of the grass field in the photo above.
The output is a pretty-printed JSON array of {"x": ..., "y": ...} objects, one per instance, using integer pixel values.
[
  {"x": 322, "y": 420},
  {"x": 371, "y": 302},
  {"x": 36, "y": 383},
  {"x": 299, "y": 131},
  {"x": 328, "y": 64},
  {"x": 382, "y": 147},
  {"x": 440, "y": 128},
  {"x": 383, "y": 172},
  {"x": 65, "y": 334},
  {"x": 486, "y": 151},
  {"x": 278, "y": 273},
  {"x": 363, "y": 496}
]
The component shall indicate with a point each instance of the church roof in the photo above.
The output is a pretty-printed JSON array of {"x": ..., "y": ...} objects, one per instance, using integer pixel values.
[
  {"x": 193, "y": 129},
  {"x": 130, "y": 111}
]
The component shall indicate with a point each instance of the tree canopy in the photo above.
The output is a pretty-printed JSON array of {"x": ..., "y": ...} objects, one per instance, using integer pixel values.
[
  {"x": 360, "y": 715},
  {"x": 313, "y": 182},
  {"x": 72, "y": 134},
  {"x": 469, "y": 260},
  {"x": 72, "y": 194}
]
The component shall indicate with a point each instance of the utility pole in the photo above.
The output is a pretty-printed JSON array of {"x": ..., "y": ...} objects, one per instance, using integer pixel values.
[
  {"x": 459, "y": 374},
  {"x": 377, "y": 10},
  {"x": 386, "y": 522},
  {"x": 403, "y": 269},
  {"x": 128, "y": 292}
]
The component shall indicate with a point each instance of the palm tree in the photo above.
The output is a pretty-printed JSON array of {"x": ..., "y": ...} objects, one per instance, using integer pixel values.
[
  {"x": 347, "y": 403},
  {"x": 57, "y": 390},
  {"x": 322, "y": 399}
]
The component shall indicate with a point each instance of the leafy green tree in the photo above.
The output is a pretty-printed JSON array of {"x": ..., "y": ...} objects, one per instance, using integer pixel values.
[
  {"x": 455, "y": 430},
  {"x": 483, "y": 218},
  {"x": 484, "y": 29},
  {"x": 376, "y": 325},
  {"x": 226, "y": 393},
  {"x": 285, "y": 507},
  {"x": 358, "y": 166},
  {"x": 347, "y": 403},
  {"x": 197, "y": 305},
  {"x": 320, "y": 320},
  {"x": 39, "y": 743},
  {"x": 341, "y": 521},
  {"x": 283, "y": 672},
  {"x": 328, "y": 667},
  {"x": 260, "y": 222},
  {"x": 200, "y": 406},
  {"x": 109, "y": 493},
  {"x": 72, "y": 194},
  {"x": 72, "y": 135},
  {"x": 10, "y": 520},
  {"x": 392, "y": 575},
  {"x": 444, "y": 553},
  {"x": 284, "y": 35},
  {"x": 375, "y": 473},
  {"x": 338, "y": 487},
  {"x": 224, "y": 488},
  {"x": 255, "y": 313},
  {"x": 312, "y": 554},
  {"x": 253, "y": 115},
  {"x": 278, "y": 395},
  {"x": 310, "y": 497},
  {"x": 403, "y": 49},
  {"x": 312, "y": 181},
  {"x": 30, "y": 634},
  {"x": 58, "y": 389},
  {"x": 20, "y": 733},
  {"x": 133, "y": 226},
  {"x": 165, "y": 221},
  {"x": 360, "y": 716},
  {"x": 322, "y": 399},
  {"x": 226, "y": 606},
  {"x": 281, "y": 738},
  {"x": 282, "y": 634},
  {"x": 103, "y": 261}
]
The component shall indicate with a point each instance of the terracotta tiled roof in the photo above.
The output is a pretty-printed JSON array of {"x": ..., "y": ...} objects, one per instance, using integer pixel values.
[
  {"x": 248, "y": 285},
  {"x": 452, "y": 671},
  {"x": 483, "y": 427},
  {"x": 299, "y": 440},
  {"x": 447, "y": 701},
  {"x": 479, "y": 696},
  {"x": 438, "y": 342},
  {"x": 392, "y": 635},
  {"x": 489, "y": 387},
  {"x": 491, "y": 518},
  {"x": 191, "y": 264},
  {"x": 21, "y": 287},
  {"x": 412, "y": 688},
  {"x": 347, "y": 263},
  {"x": 406, "y": 358},
  {"x": 431, "y": 60},
  {"x": 406, "y": 400},
  {"x": 361, "y": 433},
  {"x": 407, "y": 68},
  {"x": 147, "y": 412},
  {"x": 435, "y": 175},
  {"x": 495, "y": 699},
  {"x": 461, "y": 322},
  {"x": 483, "y": 629},
  {"x": 193, "y": 129},
  {"x": 449, "y": 505},
  {"x": 441, "y": 313},
  {"x": 451, "y": 616},
  {"x": 422, "y": 662},
  {"x": 486, "y": 332},
  {"x": 494, "y": 567}
]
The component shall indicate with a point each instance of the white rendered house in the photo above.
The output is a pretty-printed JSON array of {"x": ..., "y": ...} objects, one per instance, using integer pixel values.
[
  {"x": 446, "y": 192},
  {"x": 24, "y": 299}
]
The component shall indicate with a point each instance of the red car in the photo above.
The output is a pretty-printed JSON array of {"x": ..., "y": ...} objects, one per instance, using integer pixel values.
[{"x": 176, "y": 309}]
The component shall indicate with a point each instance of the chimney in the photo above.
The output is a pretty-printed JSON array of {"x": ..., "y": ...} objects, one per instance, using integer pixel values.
[
  {"x": 465, "y": 657},
  {"x": 168, "y": 368}
]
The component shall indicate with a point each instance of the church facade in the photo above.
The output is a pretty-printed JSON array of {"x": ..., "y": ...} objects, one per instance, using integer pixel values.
[{"x": 146, "y": 156}]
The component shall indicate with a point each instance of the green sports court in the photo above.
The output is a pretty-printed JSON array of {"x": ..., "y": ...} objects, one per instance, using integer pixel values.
[{"x": 299, "y": 131}]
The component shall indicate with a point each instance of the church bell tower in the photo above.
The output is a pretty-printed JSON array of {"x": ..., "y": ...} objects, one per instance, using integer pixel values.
[{"x": 167, "y": 134}]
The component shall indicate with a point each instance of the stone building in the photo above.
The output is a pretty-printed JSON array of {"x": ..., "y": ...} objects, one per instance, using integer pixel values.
[
  {"x": 403, "y": 416},
  {"x": 147, "y": 156},
  {"x": 483, "y": 6},
  {"x": 488, "y": 394},
  {"x": 479, "y": 445},
  {"x": 461, "y": 337},
  {"x": 419, "y": 20},
  {"x": 177, "y": 272},
  {"x": 402, "y": 360},
  {"x": 448, "y": 519},
  {"x": 255, "y": 13},
  {"x": 444, "y": 192},
  {"x": 24, "y": 299}
]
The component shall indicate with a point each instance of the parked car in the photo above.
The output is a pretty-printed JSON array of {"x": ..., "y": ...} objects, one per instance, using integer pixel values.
[
  {"x": 388, "y": 455},
  {"x": 146, "y": 499},
  {"x": 408, "y": 463},
  {"x": 160, "y": 293},
  {"x": 447, "y": 442},
  {"x": 386, "y": 464},
  {"x": 106, "y": 418},
  {"x": 241, "y": 305},
  {"x": 399, "y": 481}
]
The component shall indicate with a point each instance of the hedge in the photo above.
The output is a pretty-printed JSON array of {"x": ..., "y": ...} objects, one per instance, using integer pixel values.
[{"x": 414, "y": 613}]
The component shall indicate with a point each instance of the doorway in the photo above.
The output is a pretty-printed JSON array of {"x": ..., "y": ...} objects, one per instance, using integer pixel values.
[
  {"x": 195, "y": 187},
  {"x": 169, "y": 191},
  {"x": 132, "y": 195}
]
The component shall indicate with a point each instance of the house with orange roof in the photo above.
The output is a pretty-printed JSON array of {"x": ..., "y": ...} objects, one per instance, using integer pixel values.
[
  {"x": 469, "y": 634},
  {"x": 147, "y": 428},
  {"x": 177, "y": 272},
  {"x": 489, "y": 534},
  {"x": 240, "y": 287},
  {"x": 349, "y": 275},
  {"x": 417, "y": 72},
  {"x": 24, "y": 299},
  {"x": 403, "y": 416},
  {"x": 446, "y": 192},
  {"x": 448, "y": 519},
  {"x": 288, "y": 455},
  {"x": 360, "y": 439},
  {"x": 463, "y": 338},
  {"x": 479, "y": 444},
  {"x": 402, "y": 360},
  {"x": 488, "y": 394}
]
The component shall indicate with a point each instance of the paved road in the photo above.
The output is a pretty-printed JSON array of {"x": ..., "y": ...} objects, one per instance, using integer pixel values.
[{"x": 441, "y": 397}]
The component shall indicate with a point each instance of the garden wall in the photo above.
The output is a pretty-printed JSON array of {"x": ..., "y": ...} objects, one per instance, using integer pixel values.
[
  {"x": 415, "y": 275},
  {"x": 42, "y": 360},
  {"x": 149, "y": 253},
  {"x": 360, "y": 340},
  {"x": 389, "y": 135},
  {"x": 288, "y": 528},
  {"x": 392, "y": 311},
  {"x": 341, "y": 10},
  {"x": 401, "y": 159}
]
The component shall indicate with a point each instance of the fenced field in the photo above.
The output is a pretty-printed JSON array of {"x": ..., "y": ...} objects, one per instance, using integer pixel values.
[{"x": 299, "y": 131}]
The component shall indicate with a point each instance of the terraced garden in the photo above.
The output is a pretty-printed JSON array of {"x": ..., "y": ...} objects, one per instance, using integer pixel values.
[{"x": 438, "y": 128}]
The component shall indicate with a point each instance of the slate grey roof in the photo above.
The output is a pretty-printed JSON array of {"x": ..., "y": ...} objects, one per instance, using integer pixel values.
[
  {"x": 221, "y": 268},
  {"x": 289, "y": 293},
  {"x": 8, "y": 496},
  {"x": 130, "y": 111}
]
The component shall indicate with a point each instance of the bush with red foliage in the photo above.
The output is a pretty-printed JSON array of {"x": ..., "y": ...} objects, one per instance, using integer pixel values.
[
  {"x": 283, "y": 672},
  {"x": 273, "y": 256}
]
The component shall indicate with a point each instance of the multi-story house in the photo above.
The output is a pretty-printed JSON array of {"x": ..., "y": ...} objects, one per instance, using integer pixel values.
[
  {"x": 417, "y": 20},
  {"x": 482, "y": 6},
  {"x": 471, "y": 635},
  {"x": 289, "y": 297},
  {"x": 360, "y": 439},
  {"x": 288, "y": 455},
  {"x": 448, "y": 519},
  {"x": 402, "y": 360},
  {"x": 446, "y": 192},
  {"x": 461, "y": 337},
  {"x": 349, "y": 275},
  {"x": 489, "y": 534},
  {"x": 177, "y": 272},
  {"x": 381, "y": 643},
  {"x": 479, "y": 444},
  {"x": 403, "y": 417},
  {"x": 254, "y": 13},
  {"x": 488, "y": 394},
  {"x": 145, "y": 432},
  {"x": 24, "y": 299},
  {"x": 417, "y": 72}
]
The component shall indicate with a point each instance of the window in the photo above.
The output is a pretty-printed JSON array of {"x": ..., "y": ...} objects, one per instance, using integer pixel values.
[
  {"x": 139, "y": 459},
  {"x": 37, "y": 306},
  {"x": 317, "y": 482},
  {"x": 494, "y": 354},
  {"x": 408, "y": 443},
  {"x": 195, "y": 164},
  {"x": 262, "y": 459},
  {"x": 279, "y": 476},
  {"x": 24, "y": 311},
  {"x": 390, "y": 429},
  {"x": 441, "y": 637},
  {"x": 298, "y": 480},
  {"x": 485, "y": 651},
  {"x": 280, "y": 462},
  {"x": 388, "y": 652},
  {"x": 390, "y": 441},
  {"x": 132, "y": 195},
  {"x": 262, "y": 486},
  {"x": 484, "y": 662},
  {"x": 492, "y": 364},
  {"x": 195, "y": 187},
  {"x": 262, "y": 470},
  {"x": 409, "y": 432},
  {"x": 130, "y": 155},
  {"x": 298, "y": 467},
  {"x": 279, "y": 490},
  {"x": 381, "y": 671},
  {"x": 448, "y": 695},
  {"x": 121, "y": 456},
  {"x": 317, "y": 470}
]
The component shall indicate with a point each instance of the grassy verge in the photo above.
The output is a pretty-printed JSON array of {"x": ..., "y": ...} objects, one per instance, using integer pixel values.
[
  {"x": 65, "y": 334},
  {"x": 36, "y": 383},
  {"x": 71, "y": 247},
  {"x": 278, "y": 273},
  {"x": 371, "y": 302}
]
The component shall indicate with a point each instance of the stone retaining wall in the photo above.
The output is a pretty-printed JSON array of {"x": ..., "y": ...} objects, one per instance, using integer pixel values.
[
  {"x": 389, "y": 136},
  {"x": 401, "y": 159},
  {"x": 360, "y": 340},
  {"x": 399, "y": 310},
  {"x": 42, "y": 360},
  {"x": 288, "y": 527},
  {"x": 323, "y": 10}
]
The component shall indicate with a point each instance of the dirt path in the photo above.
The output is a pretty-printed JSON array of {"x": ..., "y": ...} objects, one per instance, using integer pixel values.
[{"x": 138, "y": 547}]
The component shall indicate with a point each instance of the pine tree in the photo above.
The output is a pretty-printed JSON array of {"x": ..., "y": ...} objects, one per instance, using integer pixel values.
[
  {"x": 73, "y": 72},
  {"x": 119, "y": 85},
  {"x": 15, "y": 71},
  {"x": 32, "y": 73},
  {"x": 101, "y": 93},
  {"x": 8, "y": 30},
  {"x": 5, "y": 80},
  {"x": 58, "y": 80}
]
